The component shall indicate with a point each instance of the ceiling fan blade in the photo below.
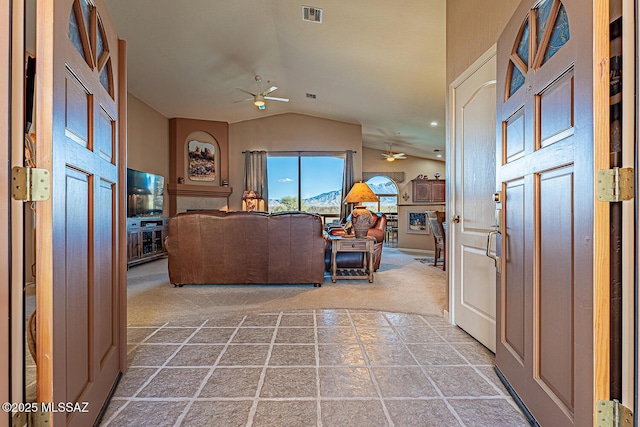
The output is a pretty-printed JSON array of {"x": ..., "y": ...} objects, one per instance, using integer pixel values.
[
  {"x": 271, "y": 98},
  {"x": 243, "y": 100},
  {"x": 385, "y": 155},
  {"x": 396, "y": 155},
  {"x": 268, "y": 91},
  {"x": 245, "y": 91}
]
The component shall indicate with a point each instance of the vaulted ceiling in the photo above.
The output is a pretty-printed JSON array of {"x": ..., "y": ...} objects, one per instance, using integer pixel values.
[{"x": 378, "y": 63}]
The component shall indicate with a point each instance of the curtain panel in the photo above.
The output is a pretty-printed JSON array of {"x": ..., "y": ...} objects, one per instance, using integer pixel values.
[
  {"x": 255, "y": 177},
  {"x": 347, "y": 183}
]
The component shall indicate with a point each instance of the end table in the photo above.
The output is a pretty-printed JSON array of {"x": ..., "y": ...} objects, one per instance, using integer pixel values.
[{"x": 346, "y": 244}]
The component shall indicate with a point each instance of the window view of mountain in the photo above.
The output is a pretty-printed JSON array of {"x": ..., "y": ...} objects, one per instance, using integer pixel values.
[
  {"x": 329, "y": 202},
  {"x": 318, "y": 181}
]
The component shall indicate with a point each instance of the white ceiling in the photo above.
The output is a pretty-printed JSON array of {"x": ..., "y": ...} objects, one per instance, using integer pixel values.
[{"x": 378, "y": 63}]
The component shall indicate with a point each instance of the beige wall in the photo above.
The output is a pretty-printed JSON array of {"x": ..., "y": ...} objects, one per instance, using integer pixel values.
[
  {"x": 372, "y": 161},
  {"x": 148, "y": 141},
  {"x": 148, "y": 147},
  {"x": 472, "y": 28},
  {"x": 288, "y": 132}
]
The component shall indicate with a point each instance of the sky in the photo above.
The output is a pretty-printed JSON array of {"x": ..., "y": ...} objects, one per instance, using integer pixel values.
[{"x": 319, "y": 175}]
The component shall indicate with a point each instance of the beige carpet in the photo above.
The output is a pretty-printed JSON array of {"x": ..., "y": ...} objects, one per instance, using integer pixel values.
[{"x": 402, "y": 285}]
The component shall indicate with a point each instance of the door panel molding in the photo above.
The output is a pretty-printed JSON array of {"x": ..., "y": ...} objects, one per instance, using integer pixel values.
[
  {"x": 554, "y": 285},
  {"x": 514, "y": 295}
]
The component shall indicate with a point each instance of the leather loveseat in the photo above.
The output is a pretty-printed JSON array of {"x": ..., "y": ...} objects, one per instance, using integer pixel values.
[
  {"x": 355, "y": 259},
  {"x": 213, "y": 247}
]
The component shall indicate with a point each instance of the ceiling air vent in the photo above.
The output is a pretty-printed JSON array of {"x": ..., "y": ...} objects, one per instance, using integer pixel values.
[
  {"x": 310, "y": 95},
  {"x": 312, "y": 14}
]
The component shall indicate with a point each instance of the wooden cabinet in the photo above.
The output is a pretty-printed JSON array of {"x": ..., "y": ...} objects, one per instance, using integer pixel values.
[
  {"x": 428, "y": 190},
  {"x": 145, "y": 239}
]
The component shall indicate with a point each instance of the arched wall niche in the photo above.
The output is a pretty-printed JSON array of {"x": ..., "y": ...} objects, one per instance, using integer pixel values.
[
  {"x": 202, "y": 159},
  {"x": 185, "y": 193}
]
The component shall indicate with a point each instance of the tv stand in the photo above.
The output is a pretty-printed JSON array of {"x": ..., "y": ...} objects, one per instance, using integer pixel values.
[{"x": 145, "y": 239}]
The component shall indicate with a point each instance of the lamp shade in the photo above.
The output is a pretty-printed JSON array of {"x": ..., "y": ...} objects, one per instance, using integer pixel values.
[
  {"x": 360, "y": 192},
  {"x": 250, "y": 194}
]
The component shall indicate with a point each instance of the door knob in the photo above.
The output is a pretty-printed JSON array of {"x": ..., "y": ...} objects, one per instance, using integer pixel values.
[{"x": 455, "y": 218}]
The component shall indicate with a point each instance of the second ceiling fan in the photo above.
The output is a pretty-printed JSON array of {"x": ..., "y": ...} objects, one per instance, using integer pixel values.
[
  {"x": 391, "y": 156},
  {"x": 259, "y": 97}
]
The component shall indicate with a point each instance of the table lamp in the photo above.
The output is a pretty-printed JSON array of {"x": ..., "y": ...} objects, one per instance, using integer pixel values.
[
  {"x": 361, "y": 217},
  {"x": 250, "y": 198}
]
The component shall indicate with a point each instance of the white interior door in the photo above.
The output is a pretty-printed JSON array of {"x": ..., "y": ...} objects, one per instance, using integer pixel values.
[{"x": 473, "y": 101}]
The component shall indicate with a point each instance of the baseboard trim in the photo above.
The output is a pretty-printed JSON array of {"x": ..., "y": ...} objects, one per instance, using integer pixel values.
[{"x": 525, "y": 411}]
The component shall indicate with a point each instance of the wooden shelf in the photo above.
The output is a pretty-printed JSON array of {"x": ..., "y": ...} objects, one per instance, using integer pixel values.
[{"x": 186, "y": 190}]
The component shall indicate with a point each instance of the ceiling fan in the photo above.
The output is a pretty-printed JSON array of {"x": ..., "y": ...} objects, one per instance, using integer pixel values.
[
  {"x": 259, "y": 97},
  {"x": 391, "y": 156}
]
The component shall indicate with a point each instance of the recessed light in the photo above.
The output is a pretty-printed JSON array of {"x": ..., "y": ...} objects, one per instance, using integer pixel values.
[
  {"x": 439, "y": 156},
  {"x": 433, "y": 124}
]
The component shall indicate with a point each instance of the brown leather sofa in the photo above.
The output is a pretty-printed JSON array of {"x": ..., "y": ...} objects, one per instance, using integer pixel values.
[
  {"x": 355, "y": 259},
  {"x": 212, "y": 247}
]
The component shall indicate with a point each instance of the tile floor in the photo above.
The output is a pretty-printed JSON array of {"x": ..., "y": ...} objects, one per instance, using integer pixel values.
[{"x": 310, "y": 368}]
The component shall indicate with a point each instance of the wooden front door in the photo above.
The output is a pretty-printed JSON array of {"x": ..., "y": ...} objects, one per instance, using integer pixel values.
[
  {"x": 552, "y": 137},
  {"x": 5, "y": 197},
  {"x": 473, "y": 98},
  {"x": 78, "y": 259}
]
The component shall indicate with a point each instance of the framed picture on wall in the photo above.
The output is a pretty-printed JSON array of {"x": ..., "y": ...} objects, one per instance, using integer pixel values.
[
  {"x": 417, "y": 222},
  {"x": 202, "y": 161}
]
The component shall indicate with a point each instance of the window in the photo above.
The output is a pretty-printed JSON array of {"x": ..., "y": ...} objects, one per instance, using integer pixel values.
[
  {"x": 387, "y": 190},
  {"x": 310, "y": 183},
  {"x": 536, "y": 44}
]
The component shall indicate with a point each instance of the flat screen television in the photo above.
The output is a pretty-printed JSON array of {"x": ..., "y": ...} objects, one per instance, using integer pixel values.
[{"x": 145, "y": 193}]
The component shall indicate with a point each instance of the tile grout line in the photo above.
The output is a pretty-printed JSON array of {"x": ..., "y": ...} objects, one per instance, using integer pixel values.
[
  {"x": 182, "y": 345},
  {"x": 433, "y": 383},
  {"x": 120, "y": 409},
  {"x": 478, "y": 371},
  {"x": 367, "y": 363},
  {"x": 263, "y": 374},
  {"x": 301, "y": 399},
  {"x": 208, "y": 375},
  {"x": 472, "y": 367},
  {"x": 317, "y": 357},
  {"x": 439, "y": 330}
]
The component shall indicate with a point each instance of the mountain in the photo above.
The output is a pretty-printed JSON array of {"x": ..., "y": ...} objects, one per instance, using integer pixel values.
[
  {"x": 386, "y": 188},
  {"x": 334, "y": 198},
  {"x": 330, "y": 199}
]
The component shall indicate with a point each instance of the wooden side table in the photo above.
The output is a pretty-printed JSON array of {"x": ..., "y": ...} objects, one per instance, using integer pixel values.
[{"x": 346, "y": 244}]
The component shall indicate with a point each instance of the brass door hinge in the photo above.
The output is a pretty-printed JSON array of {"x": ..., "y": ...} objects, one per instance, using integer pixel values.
[
  {"x": 615, "y": 185},
  {"x": 19, "y": 419},
  {"x": 30, "y": 184},
  {"x": 31, "y": 419},
  {"x": 611, "y": 413}
]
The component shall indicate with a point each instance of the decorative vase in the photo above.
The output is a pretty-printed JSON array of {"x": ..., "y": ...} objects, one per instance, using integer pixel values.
[{"x": 361, "y": 219}]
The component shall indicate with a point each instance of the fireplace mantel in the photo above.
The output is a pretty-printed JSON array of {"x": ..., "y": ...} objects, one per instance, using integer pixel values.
[{"x": 186, "y": 190}]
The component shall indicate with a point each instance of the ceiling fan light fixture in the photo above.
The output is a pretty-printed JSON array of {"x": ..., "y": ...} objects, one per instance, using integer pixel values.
[
  {"x": 391, "y": 159},
  {"x": 259, "y": 101}
]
